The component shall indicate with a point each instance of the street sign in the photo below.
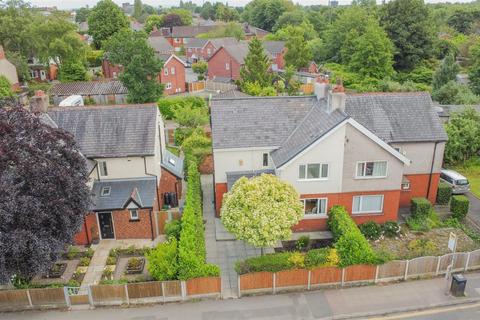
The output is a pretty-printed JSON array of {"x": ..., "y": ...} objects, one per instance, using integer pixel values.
[{"x": 452, "y": 242}]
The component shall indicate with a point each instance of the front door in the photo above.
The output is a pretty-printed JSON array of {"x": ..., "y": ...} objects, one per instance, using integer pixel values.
[{"x": 106, "y": 225}]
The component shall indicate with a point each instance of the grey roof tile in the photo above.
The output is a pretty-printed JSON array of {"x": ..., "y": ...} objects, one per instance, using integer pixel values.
[
  {"x": 196, "y": 43},
  {"x": 142, "y": 190},
  {"x": 190, "y": 31},
  {"x": 274, "y": 47},
  {"x": 233, "y": 176},
  {"x": 219, "y": 42},
  {"x": 160, "y": 45},
  {"x": 172, "y": 163},
  {"x": 110, "y": 131},
  {"x": 86, "y": 88}
]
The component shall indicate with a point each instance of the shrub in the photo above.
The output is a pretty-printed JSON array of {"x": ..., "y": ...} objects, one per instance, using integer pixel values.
[
  {"x": 84, "y": 261},
  {"x": 134, "y": 263},
  {"x": 111, "y": 261},
  {"x": 113, "y": 253},
  {"x": 270, "y": 262},
  {"x": 297, "y": 259},
  {"x": 422, "y": 247},
  {"x": 302, "y": 243},
  {"x": 168, "y": 105},
  {"x": 420, "y": 207},
  {"x": 324, "y": 257},
  {"x": 73, "y": 283},
  {"x": 459, "y": 206},
  {"x": 351, "y": 245},
  {"x": 89, "y": 253},
  {"x": 420, "y": 223},
  {"x": 162, "y": 261},
  {"x": 107, "y": 273},
  {"x": 371, "y": 230},
  {"x": 444, "y": 193},
  {"x": 72, "y": 252},
  {"x": 391, "y": 229},
  {"x": 173, "y": 229}
]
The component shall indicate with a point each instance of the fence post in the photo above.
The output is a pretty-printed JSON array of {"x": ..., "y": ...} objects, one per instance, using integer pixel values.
[
  {"x": 438, "y": 265},
  {"x": 343, "y": 277},
  {"x": 468, "y": 261},
  {"x": 376, "y": 274},
  {"x": 126, "y": 293},
  {"x": 29, "y": 298},
  {"x": 274, "y": 280},
  {"x": 163, "y": 291},
  {"x": 406, "y": 270},
  {"x": 239, "y": 286},
  {"x": 67, "y": 297},
  {"x": 309, "y": 279},
  {"x": 183, "y": 287},
  {"x": 90, "y": 296}
]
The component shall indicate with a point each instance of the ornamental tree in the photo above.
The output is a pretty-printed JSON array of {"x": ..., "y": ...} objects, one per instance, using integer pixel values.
[
  {"x": 105, "y": 20},
  {"x": 261, "y": 210},
  {"x": 44, "y": 194},
  {"x": 257, "y": 65}
]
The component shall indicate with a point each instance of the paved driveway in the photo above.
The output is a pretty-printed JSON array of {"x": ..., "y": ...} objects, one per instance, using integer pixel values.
[{"x": 474, "y": 211}]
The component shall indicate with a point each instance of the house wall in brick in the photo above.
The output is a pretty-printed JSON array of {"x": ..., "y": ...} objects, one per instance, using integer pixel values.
[
  {"x": 169, "y": 183},
  {"x": 419, "y": 188},
  {"x": 125, "y": 228},
  {"x": 217, "y": 66},
  {"x": 90, "y": 222},
  {"x": 174, "y": 81}
]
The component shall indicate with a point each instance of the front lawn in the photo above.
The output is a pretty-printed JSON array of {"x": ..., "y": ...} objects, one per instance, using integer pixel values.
[{"x": 471, "y": 170}]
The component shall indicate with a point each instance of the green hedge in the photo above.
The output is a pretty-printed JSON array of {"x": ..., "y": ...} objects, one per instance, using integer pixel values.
[
  {"x": 169, "y": 104},
  {"x": 270, "y": 262},
  {"x": 421, "y": 207},
  {"x": 352, "y": 247},
  {"x": 444, "y": 193},
  {"x": 459, "y": 206},
  {"x": 371, "y": 230}
]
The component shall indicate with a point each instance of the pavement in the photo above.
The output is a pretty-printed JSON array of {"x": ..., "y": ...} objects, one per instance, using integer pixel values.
[
  {"x": 405, "y": 300},
  {"x": 474, "y": 209}
]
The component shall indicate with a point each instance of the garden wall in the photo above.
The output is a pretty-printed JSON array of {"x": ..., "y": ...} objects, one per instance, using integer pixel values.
[
  {"x": 115, "y": 294},
  {"x": 272, "y": 282}
]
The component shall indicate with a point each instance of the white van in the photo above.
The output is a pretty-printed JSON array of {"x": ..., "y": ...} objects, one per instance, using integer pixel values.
[
  {"x": 458, "y": 182},
  {"x": 72, "y": 101}
]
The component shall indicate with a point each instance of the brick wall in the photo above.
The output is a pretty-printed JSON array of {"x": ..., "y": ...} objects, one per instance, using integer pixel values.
[
  {"x": 217, "y": 66},
  {"x": 220, "y": 189},
  {"x": 133, "y": 229},
  {"x": 110, "y": 70},
  {"x": 177, "y": 79},
  {"x": 169, "y": 183},
  {"x": 419, "y": 187},
  {"x": 91, "y": 223}
]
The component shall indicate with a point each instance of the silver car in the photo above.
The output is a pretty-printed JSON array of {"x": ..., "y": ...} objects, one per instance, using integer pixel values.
[{"x": 458, "y": 182}]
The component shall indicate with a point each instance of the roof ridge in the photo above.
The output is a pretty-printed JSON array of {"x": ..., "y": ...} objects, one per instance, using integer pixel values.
[
  {"x": 265, "y": 97},
  {"x": 125, "y": 179},
  {"x": 97, "y": 107}
]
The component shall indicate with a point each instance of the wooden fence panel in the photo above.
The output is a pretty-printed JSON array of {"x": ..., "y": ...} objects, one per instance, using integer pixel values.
[
  {"x": 256, "y": 280},
  {"x": 291, "y": 278},
  {"x": 196, "y": 86},
  {"x": 47, "y": 296},
  {"x": 446, "y": 260},
  {"x": 422, "y": 266},
  {"x": 109, "y": 293},
  {"x": 325, "y": 275},
  {"x": 172, "y": 288},
  {"x": 474, "y": 261},
  {"x": 360, "y": 273},
  {"x": 11, "y": 299},
  {"x": 307, "y": 88},
  {"x": 204, "y": 286},
  {"x": 144, "y": 290},
  {"x": 392, "y": 270}
]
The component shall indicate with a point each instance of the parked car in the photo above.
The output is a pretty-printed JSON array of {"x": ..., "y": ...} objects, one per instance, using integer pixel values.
[{"x": 458, "y": 182}]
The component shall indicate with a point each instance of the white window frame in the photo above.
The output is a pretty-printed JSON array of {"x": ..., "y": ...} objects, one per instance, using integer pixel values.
[
  {"x": 320, "y": 178},
  {"x": 209, "y": 51},
  {"x": 105, "y": 191},
  {"x": 104, "y": 165},
  {"x": 365, "y": 196},
  {"x": 227, "y": 66},
  {"x": 132, "y": 217},
  {"x": 165, "y": 71},
  {"x": 318, "y": 214},
  {"x": 172, "y": 70},
  {"x": 406, "y": 186},
  {"x": 357, "y": 176},
  {"x": 265, "y": 160},
  {"x": 168, "y": 85}
]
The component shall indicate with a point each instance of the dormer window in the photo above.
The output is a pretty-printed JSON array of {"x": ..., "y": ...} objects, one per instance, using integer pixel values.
[{"x": 105, "y": 191}]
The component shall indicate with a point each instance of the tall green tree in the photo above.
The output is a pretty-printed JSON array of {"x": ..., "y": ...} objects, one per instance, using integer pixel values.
[
  {"x": 474, "y": 77},
  {"x": 463, "y": 131},
  {"x": 71, "y": 71},
  {"x": 409, "y": 26},
  {"x": 17, "y": 27},
  {"x": 81, "y": 15},
  {"x": 299, "y": 53},
  {"x": 152, "y": 21},
  {"x": 265, "y": 13},
  {"x": 105, "y": 20},
  {"x": 137, "y": 9},
  {"x": 256, "y": 66},
  {"x": 141, "y": 66},
  {"x": 446, "y": 72}
]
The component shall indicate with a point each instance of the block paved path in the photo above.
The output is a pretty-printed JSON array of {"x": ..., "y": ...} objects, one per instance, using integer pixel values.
[{"x": 224, "y": 252}]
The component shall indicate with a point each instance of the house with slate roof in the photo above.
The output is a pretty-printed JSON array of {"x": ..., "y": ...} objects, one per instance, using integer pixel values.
[
  {"x": 101, "y": 92},
  {"x": 202, "y": 49},
  {"x": 131, "y": 171},
  {"x": 371, "y": 153}
]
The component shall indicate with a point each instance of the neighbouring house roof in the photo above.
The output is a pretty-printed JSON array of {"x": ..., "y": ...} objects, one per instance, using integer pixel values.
[
  {"x": 233, "y": 176},
  {"x": 234, "y": 93},
  {"x": 167, "y": 57},
  {"x": 253, "y": 31},
  {"x": 219, "y": 42},
  {"x": 142, "y": 191},
  {"x": 190, "y": 31},
  {"x": 89, "y": 88},
  {"x": 291, "y": 124},
  {"x": 136, "y": 26},
  {"x": 172, "y": 163},
  {"x": 447, "y": 110},
  {"x": 274, "y": 47},
  {"x": 110, "y": 131},
  {"x": 237, "y": 51},
  {"x": 160, "y": 44},
  {"x": 196, "y": 43}
]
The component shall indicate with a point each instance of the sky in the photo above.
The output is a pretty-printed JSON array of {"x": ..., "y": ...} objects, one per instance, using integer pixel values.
[{"x": 70, "y": 4}]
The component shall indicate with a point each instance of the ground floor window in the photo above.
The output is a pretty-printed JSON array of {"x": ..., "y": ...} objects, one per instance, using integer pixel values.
[
  {"x": 367, "y": 204},
  {"x": 315, "y": 206}
]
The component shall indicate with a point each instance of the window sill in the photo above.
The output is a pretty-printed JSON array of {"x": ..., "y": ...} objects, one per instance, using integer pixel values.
[
  {"x": 309, "y": 180},
  {"x": 360, "y": 214},
  {"x": 314, "y": 216},
  {"x": 370, "y": 178}
]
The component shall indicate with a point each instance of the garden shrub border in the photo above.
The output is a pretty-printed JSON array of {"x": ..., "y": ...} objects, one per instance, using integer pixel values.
[
  {"x": 459, "y": 205},
  {"x": 444, "y": 193}
]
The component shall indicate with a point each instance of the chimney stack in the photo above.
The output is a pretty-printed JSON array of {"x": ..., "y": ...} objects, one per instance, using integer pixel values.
[
  {"x": 337, "y": 97},
  {"x": 2, "y": 53},
  {"x": 321, "y": 87},
  {"x": 39, "y": 102}
]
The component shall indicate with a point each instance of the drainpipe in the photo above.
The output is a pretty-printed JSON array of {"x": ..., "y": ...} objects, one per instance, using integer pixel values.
[
  {"x": 431, "y": 168},
  {"x": 151, "y": 224}
]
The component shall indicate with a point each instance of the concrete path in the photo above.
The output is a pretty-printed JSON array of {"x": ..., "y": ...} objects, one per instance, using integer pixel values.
[
  {"x": 351, "y": 303},
  {"x": 224, "y": 250},
  {"x": 474, "y": 210}
]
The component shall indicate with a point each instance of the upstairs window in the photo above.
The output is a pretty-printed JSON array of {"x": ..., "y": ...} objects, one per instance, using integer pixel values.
[
  {"x": 265, "y": 159},
  {"x": 134, "y": 214},
  {"x": 102, "y": 165},
  {"x": 313, "y": 171},
  {"x": 165, "y": 71},
  {"x": 172, "y": 70},
  {"x": 227, "y": 66},
  {"x": 372, "y": 169}
]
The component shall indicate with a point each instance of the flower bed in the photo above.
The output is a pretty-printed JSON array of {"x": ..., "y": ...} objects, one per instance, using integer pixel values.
[
  {"x": 135, "y": 265},
  {"x": 57, "y": 270}
]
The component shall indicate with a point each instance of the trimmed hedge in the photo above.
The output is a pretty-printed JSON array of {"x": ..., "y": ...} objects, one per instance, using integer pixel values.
[
  {"x": 459, "y": 206},
  {"x": 444, "y": 193},
  {"x": 421, "y": 207},
  {"x": 352, "y": 247},
  {"x": 270, "y": 262}
]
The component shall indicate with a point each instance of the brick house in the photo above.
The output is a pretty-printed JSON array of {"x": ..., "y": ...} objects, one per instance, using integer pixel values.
[
  {"x": 42, "y": 72},
  {"x": 8, "y": 70},
  {"x": 172, "y": 74},
  {"x": 202, "y": 49},
  {"x": 371, "y": 153},
  {"x": 179, "y": 36},
  {"x": 132, "y": 174},
  {"x": 277, "y": 50}
]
